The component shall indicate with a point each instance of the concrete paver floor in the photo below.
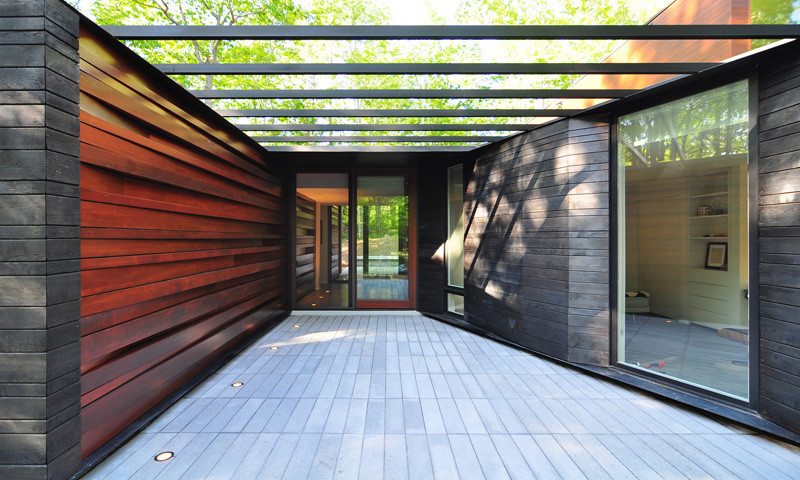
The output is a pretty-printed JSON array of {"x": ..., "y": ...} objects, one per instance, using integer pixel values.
[{"x": 400, "y": 396}]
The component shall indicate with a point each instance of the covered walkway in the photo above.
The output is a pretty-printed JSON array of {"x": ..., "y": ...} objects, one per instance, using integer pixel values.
[{"x": 401, "y": 396}]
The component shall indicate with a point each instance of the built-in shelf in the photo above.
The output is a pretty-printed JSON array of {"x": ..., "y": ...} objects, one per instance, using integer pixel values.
[
  {"x": 710, "y": 216},
  {"x": 712, "y": 194},
  {"x": 708, "y": 238}
]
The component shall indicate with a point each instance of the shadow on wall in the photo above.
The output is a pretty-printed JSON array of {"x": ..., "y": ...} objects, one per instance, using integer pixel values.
[{"x": 537, "y": 213}]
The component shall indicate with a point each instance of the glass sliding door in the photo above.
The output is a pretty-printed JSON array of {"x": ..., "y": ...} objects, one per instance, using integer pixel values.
[
  {"x": 383, "y": 241},
  {"x": 683, "y": 240}
]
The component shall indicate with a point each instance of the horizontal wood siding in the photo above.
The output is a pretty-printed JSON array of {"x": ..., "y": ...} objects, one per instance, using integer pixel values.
[
  {"x": 183, "y": 239},
  {"x": 536, "y": 249},
  {"x": 779, "y": 240},
  {"x": 432, "y": 236},
  {"x": 39, "y": 241},
  {"x": 306, "y": 246}
]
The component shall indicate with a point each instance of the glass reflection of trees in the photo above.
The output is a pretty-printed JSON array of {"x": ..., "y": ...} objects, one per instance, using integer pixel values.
[{"x": 709, "y": 125}]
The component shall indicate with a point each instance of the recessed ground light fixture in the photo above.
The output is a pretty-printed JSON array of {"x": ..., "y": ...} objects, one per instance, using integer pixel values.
[
  {"x": 237, "y": 384},
  {"x": 313, "y": 304},
  {"x": 327, "y": 291},
  {"x": 274, "y": 348},
  {"x": 163, "y": 456},
  {"x": 296, "y": 326}
]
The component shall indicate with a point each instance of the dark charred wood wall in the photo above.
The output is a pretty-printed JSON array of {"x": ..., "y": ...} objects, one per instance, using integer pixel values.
[
  {"x": 537, "y": 241},
  {"x": 432, "y": 228},
  {"x": 183, "y": 237},
  {"x": 39, "y": 241},
  {"x": 779, "y": 240}
]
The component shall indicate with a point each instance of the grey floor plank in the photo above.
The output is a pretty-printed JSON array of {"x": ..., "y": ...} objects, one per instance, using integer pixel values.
[
  {"x": 323, "y": 464},
  {"x": 203, "y": 464},
  {"x": 491, "y": 463},
  {"x": 419, "y": 457},
  {"x": 372, "y": 452},
  {"x": 395, "y": 457},
  {"x": 512, "y": 458},
  {"x": 405, "y": 397},
  {"x": 349, "y": 460},
  {"x": 537, "y": 460}
]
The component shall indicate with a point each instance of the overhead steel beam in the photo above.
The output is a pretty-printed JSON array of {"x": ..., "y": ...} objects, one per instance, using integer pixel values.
[
  {"x": 399, "y": 112},
  {"x": 377, "y": 139},
  {"x": 453, "y": 32},
  {"x": 369, "y": 148},
  {"x": 390, "y": 127},
  {"x": 428, "y": 68},
  {"x": 414, "y": 93}
]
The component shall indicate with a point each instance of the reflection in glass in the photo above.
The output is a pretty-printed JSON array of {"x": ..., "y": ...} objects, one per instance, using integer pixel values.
[
  {"x": 683, "y": 268},
  {"x": 454, "y": 246},
  {"x": 455, "y": 303},
  {"x": 382, "y": 238},
  {"x": 321, "y": 268}
]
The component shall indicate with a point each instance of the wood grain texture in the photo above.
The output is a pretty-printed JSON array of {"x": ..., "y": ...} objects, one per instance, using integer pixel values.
[
  {"x": 709, "y": 12},
  {"x": 779, "y": 240},
  {"x": 536, "y": 247},
  {"x": 432, "y": 230},
  {"x": 183, "y": 239},
  {"x": 305, "y": 241}
]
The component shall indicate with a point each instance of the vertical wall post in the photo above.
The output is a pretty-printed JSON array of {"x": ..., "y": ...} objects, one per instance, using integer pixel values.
[{"x": 39, "y": 240}]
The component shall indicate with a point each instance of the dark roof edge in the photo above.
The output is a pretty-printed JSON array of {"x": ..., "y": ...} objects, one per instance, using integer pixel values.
[{"x": 187, "y": 99}]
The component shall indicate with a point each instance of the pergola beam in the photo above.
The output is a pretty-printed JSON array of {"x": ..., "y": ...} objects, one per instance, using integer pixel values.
[
  {"x": 454, "y": 32},
  {"x": 399, "y": 112},
  {"x": 672, "y": 68},
  {"x": 390, "y": 127},
  {"x": 412, "y": 93},
  {"x": 377, "y": 139}
]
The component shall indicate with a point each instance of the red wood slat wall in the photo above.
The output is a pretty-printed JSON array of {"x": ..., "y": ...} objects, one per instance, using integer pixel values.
[{"x": 183, "y": 239}]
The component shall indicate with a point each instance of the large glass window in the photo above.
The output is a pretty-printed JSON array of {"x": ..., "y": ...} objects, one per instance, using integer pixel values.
[
  {"x": 454, "y": 247},
  {"x": 683, "y": 268}
]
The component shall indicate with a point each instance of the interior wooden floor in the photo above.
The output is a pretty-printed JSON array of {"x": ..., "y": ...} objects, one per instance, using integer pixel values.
[
  {"x": 401, "y": 396},
  {"x": 687, "y": 351},
  {"x": 335, "y": 295}
]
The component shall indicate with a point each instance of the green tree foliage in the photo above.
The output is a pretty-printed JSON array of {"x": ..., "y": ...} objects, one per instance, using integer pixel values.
[{"x": 377, "y": 12}]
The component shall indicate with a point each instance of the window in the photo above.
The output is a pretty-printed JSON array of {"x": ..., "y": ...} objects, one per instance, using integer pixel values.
[
  {"x": 683, "y": 240},
  {"x": 454, "y": 246}
]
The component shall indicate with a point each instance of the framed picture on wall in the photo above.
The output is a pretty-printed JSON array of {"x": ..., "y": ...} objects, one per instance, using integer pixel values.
[{"x": 717, "y": 256}]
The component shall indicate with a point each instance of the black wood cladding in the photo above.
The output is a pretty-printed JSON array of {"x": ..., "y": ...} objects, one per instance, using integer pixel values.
[
  {"x": 779, "y": 240},
  {"x": 432, "y": 233},
  {"x": 39, "y": 241},
  {"x": 537, "y": 240}
]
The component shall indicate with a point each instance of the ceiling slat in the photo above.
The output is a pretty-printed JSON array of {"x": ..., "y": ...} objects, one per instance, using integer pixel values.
[
  {"x": 399, "y": 112},
  {"x": 413, "y": 93},
  {"x": 453, "y": 32},
  {"x": 377, "y": 139},
  {"x": 428, "y": 68},
  {"x": 389, "y": 127}
]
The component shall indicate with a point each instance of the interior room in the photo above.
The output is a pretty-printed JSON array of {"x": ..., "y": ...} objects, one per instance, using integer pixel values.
[{"x": 685, "y": 291}]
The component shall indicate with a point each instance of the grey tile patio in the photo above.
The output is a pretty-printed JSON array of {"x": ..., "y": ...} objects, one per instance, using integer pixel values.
[{"x": 400, "y": 396}]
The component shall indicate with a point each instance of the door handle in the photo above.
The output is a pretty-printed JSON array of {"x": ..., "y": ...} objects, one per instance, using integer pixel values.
[{"x": 746, "y": 294}]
